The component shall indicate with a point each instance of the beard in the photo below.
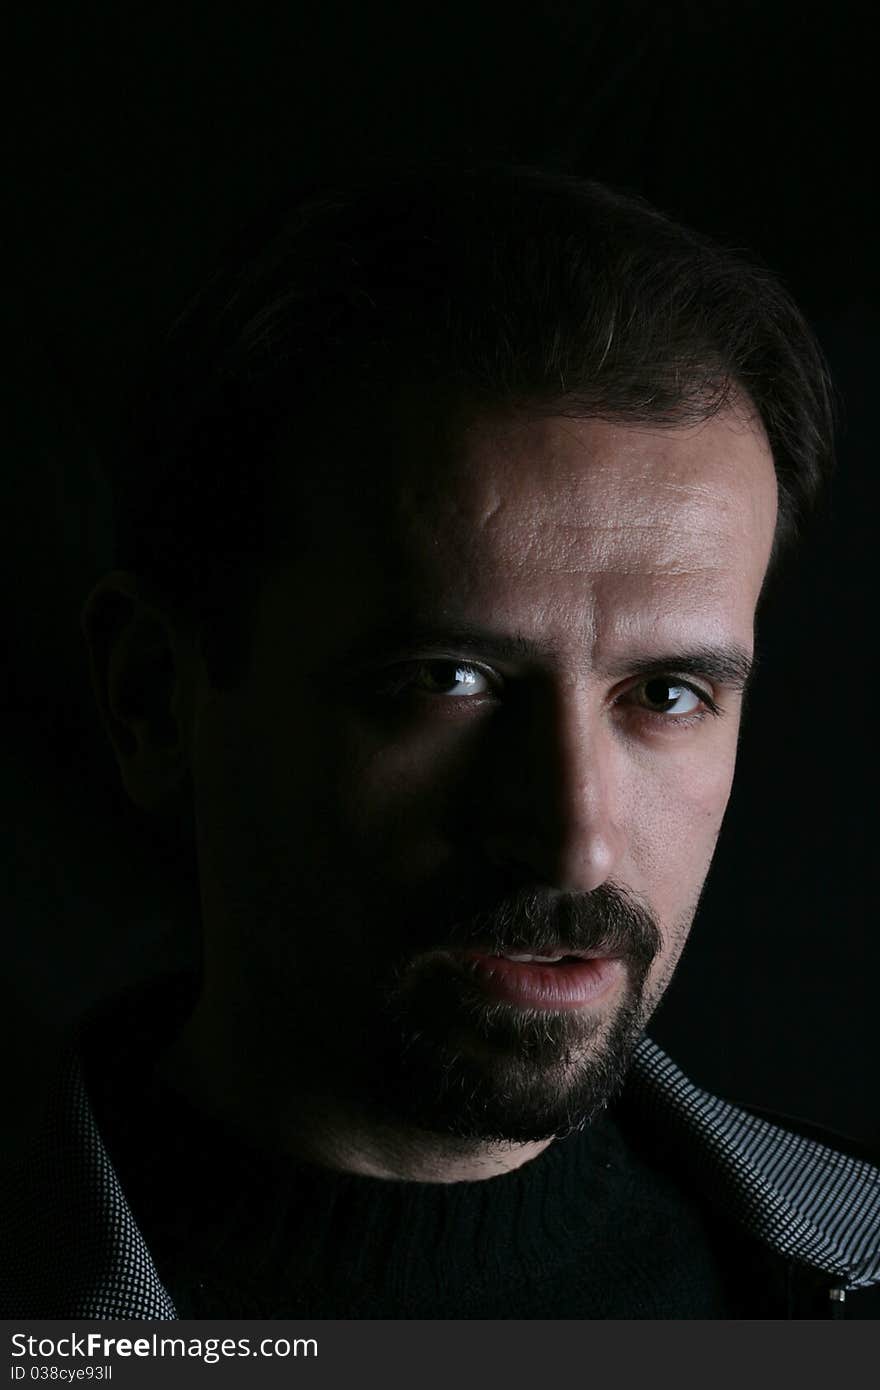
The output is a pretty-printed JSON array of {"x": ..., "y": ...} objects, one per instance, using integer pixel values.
[{"x": 442, "y": 1056}]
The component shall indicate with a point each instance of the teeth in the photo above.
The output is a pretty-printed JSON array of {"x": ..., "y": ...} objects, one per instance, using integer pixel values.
[{"x": 544, "y": 960}]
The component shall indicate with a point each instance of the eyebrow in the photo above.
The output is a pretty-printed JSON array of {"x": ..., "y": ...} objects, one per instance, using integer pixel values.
[{"x": 724, "y": 663}]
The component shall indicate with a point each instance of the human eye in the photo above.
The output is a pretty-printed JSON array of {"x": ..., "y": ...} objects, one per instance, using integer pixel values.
[
  {"x": 440, "y": 677},
  {"x": 671, "y": 700}
]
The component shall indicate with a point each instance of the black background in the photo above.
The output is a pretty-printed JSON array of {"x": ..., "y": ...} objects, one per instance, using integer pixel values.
[{"x": 143, "y": 138}]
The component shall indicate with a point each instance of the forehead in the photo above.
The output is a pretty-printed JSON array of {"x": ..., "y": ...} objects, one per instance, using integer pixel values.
[
  {"x": 446, "y": 508},
  {"x": 554, "y": 486}
]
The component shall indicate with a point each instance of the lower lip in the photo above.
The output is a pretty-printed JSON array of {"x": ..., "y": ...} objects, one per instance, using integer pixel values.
[{"x": 573, "y": 985}]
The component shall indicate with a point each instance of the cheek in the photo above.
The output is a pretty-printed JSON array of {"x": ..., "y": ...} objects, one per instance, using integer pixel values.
[
  {"x": 675, "y": 810},
  {"x": 673, "y": 852},
  {"x": 402, "y": 796}
]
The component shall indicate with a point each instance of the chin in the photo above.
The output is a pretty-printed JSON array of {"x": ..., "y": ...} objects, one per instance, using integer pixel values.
[{"x": 504, "y": 1074}]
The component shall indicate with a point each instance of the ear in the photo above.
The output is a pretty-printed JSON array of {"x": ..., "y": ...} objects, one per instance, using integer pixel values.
[{"x": 143, "y": 678}]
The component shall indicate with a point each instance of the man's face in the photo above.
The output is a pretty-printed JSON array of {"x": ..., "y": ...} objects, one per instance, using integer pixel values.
[{"x": 493, "y": 709}]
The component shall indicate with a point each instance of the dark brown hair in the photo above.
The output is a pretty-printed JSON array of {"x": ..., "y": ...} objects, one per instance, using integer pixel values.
[{"x": 519, "y": 287}]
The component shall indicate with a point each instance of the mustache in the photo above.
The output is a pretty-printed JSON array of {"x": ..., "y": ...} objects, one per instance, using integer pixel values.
[{"x": 610, "y": 920}]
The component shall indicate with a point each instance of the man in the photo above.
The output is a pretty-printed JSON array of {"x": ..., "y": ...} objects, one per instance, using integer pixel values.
[{"x": 439, "y": 559}]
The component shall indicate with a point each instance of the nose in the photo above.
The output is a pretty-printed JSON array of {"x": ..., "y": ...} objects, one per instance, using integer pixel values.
[{"x": 552, "y": 806}]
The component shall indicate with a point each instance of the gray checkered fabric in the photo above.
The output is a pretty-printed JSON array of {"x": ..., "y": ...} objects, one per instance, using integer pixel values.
[
  {"x": 806, "y": 1201},
  {"x": 71, "y": 1248}
]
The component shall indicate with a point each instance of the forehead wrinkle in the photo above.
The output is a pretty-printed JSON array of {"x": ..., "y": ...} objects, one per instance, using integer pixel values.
[
  {"x": 597, "y": 555},
  {"x": 566, "y": 517},
  {"x": 442, "y": 529}
]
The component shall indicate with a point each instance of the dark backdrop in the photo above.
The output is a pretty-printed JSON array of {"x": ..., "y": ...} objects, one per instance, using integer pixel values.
[{"x": 143, "y": 139}]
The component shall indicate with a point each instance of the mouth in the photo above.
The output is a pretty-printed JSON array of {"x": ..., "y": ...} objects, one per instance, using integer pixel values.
[{"x": 557, "y": 980}]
